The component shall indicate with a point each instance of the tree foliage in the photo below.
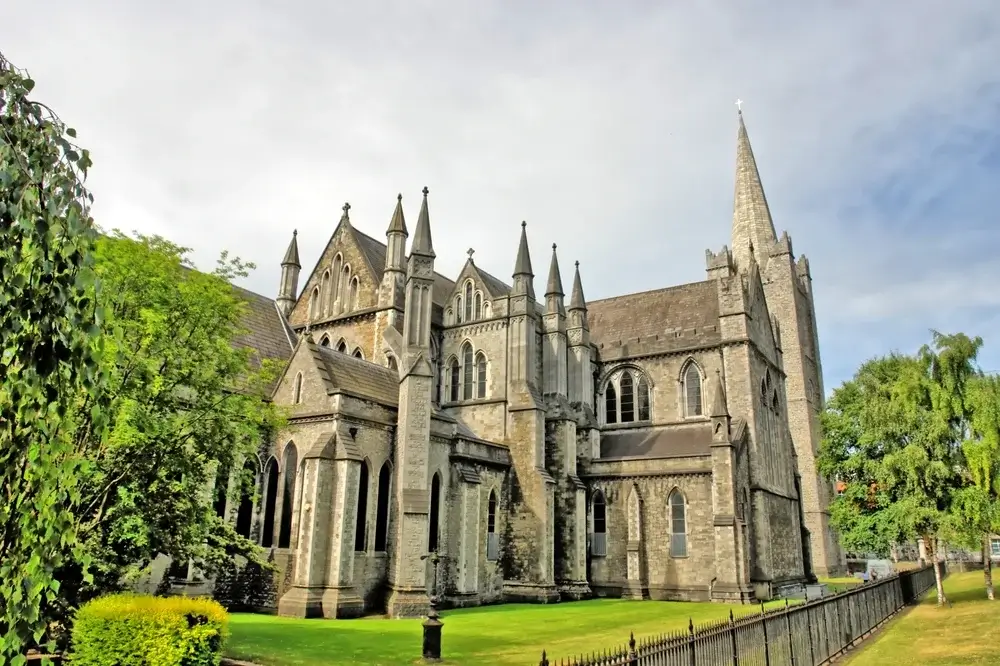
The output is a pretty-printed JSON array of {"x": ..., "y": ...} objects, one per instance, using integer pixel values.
[
  {"x": 185, "y": 402},
  {"x": 893, "y": 435},
  {"x": 50, "y": 355}
]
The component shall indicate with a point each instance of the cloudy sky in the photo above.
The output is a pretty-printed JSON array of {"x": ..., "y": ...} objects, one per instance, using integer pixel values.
[{"x": 609, "y": 126}]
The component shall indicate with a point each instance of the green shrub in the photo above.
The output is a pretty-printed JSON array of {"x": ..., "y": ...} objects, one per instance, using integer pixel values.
[{"x": 140, "y": 630}]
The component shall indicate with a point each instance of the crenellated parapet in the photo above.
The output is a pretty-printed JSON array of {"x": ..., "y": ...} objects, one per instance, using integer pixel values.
[{"x": 719, "y": 264}]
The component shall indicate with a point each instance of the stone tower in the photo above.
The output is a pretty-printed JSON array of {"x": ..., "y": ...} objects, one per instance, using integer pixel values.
[
  {"x": 788, "y": 292},
  {"x": 407, "y": 569},
  {"x": 288, "y": 290},
  {"x": 530, "y": 563},
  {"x": 392, "y": 289}
]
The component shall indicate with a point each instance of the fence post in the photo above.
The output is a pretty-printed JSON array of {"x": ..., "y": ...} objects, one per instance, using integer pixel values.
[
  {"x": 633, "y": 655},
  {"x": 544, "y": 661},
  {"x": 693, "y": 659},
  {"x": 809, "y": 630},
  {"x": 763, "y": 623},
  {"x": 788, "y": 625},
  {"x": 732, "y": 637}
]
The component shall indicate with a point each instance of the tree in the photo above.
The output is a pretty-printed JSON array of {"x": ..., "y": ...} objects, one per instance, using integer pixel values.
[
  {"x": 893, "y": 434},
  {"x": 186, "y": 401},
  {"x": 50, "y": 353},
  {"x": 976, "y": 510}
]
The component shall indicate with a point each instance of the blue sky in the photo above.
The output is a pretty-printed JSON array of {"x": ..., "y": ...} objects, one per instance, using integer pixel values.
[{"x": 609, "y": 127}]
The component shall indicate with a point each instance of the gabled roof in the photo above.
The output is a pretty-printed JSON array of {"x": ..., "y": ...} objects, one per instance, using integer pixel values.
[
  {"x": 343, "y": 373},
  {"x": 374, "y": 252},
  {"x": 268, "y": 333}
]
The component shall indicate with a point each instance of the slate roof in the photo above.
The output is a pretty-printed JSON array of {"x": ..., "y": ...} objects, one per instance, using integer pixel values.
[
  {"x": 375, "y": 253},
  {"x": 343, "y": 373},
  {"x": 496, "y": 286},
  {"x": 656, "y": 313},
  {"x": 670, "y": 442},
  {"x": 268, "y": 333}
]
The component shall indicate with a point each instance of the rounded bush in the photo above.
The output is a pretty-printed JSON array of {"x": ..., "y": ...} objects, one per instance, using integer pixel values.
[{"x": 141, "y": 630}]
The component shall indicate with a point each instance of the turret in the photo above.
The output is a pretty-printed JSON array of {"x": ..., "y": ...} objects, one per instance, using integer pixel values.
[
  {"x": 420, "y": 285},
  {"x": 392, "y": 288},
  {"x": 580, "y": 353},
  {"x": 554, "y": 379},
  {"x": 289, "y": 288},
  {"x": 524, "y": 279}
]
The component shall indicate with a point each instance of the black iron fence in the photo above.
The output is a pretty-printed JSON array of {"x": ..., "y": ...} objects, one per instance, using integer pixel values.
[{"x": 807, "y": 634}]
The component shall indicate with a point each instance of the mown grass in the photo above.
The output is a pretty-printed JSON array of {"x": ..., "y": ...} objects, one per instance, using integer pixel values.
[
  {"x": 967, "y": 631},
  {"x": 504, "y": 635}
]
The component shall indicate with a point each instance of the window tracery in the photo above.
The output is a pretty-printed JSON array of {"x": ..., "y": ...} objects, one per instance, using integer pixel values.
[{"x": 627, "y": 397}]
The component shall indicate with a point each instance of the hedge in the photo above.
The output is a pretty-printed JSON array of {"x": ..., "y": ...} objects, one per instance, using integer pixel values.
[{"x": 140, "y": 630}]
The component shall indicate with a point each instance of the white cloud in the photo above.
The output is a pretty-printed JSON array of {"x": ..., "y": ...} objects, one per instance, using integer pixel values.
[{"x": 609, "y": 127}]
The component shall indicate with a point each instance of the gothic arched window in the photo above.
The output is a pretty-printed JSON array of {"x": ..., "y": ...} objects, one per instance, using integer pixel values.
[
  {"x": 468, "y": 301},
  {"x": 481, "y": 375},
  {"x": 270, "y": 499},
  {"x": 342, "y": 347},
  {"x": 324, "y": 341},
  {"x": 361, "y": 526},
  {"x": 382, "y": 508},
  {"x": 626, "y": 397},
  {"x": 244, "y": 515},
  {"x": 492, "y": 540},
  {"x": 467, "y": 371},
  {"x": 479, "y": 306},
  {"x": 297, "y": 389},
  {"x": 353, "y": 298},
  {"x": 435, "y": 514},
  {"x": 454, "y": 380},
  {"x": 325, "y": 293},
  {"x": 338, "y": 265},
  {"x": 692, "y": 390},
  {"x": 390, "y": 362},
  {"x": 642, "y": 399},
  {"x": 358, "y": 353},
  {"x": 290, "y": 463},
  {"x": 678, "y": 524},
  {"x": 599, "y": 539},
  {"x": 610, "y": 404},
  {"x": 314, "y": 304}
]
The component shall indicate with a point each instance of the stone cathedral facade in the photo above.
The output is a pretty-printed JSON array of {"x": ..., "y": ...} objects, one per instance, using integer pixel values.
[{"x": 653, "y": 445}]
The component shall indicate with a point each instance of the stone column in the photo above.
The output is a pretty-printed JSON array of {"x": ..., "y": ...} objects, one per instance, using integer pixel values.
[{"x": 635, "y": 587}]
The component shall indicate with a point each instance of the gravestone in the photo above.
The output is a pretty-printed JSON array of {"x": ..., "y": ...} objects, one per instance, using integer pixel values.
[{"x": 879, "y": 569}]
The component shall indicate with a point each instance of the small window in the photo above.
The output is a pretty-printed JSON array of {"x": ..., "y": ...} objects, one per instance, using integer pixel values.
[
  {"x": 361, "y": 526},
  {"x": 692, "y": 390},
  {"x": 353, "y": 299},
  {"x": 642, "y": 399},
  {"x": 995, "y": 548},
  {"x": 775, "y": 405},
  {"x": 481, "y": 375},
  {"x": 610, "y": 404},
  {"x": 324, "y": 341},
  {"x": 627, "y": 400},
  {"x": 297, "y": 390},
  {"x": 479, "y": 306},
  {"x": 358, "y": 353},
  {"x": 468, "y": 301},
  {"x": 434, "y": 531},
  {"x": 314, "y": 305},
  {"x": 390, "y": 362},
  {"x": 678, "y": 525},
  {"x": 454, "y": 377},
  {"x": 382, "y": 508},
  {"x": 467, "y": 372},
  {"x": 599, "y": 540},
  {"x": 492, "y": 538},
  {"x": 342, "y": 347}
]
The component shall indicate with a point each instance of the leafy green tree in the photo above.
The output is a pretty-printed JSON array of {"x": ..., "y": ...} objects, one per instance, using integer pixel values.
[
  {"x": 976, "y": 509},
  {"x": 186, "y": 400},
  {"x": 50, "y": 355},
  {"x": 893, "y": 434}
]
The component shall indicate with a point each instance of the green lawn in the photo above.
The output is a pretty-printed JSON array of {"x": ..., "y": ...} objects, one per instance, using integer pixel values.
[
  {"x": 506, "y": 634},
  {"x": 964, "y": 633},
  {"x": 840, "y": 584}
]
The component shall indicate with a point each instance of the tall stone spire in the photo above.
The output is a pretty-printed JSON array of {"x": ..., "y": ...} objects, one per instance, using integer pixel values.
[
  {"x": 422, "y": 244},
  {"x": 553, "y": 288},
  {"x": 576, "y": 300},
  {"x": 290, "y": 267},
  {"x": 391, "y": 288},
  {"x": 753, "y": 229},
  {"x": 398, "y": 223},
  {"x": 524, "y": 278}
]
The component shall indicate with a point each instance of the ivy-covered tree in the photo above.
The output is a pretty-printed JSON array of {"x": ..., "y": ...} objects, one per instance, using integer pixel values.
[
  {"x": 893, "y": 435},
  {"x": 186, "y": 400},
  {"x": 50, "y": 356}
]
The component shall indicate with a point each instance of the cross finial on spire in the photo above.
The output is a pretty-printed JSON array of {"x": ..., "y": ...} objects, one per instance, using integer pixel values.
[
  {"x": 295, "y": 232},
  {"x": 470, "y": 252},
  {"x": 346, "y": 208},
  {"x": 577, "y": 264},
  {"x": 425, "y": 191},
  {"x": 553, "y": 246},
  {"x": 739, "y": 105},
  {"x": 523, "y": 224},
  {"x": 399, "y": 197}
]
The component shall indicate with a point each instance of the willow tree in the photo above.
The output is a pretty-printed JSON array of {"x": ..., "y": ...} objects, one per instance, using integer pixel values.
[{"x": 49, "y": 355}]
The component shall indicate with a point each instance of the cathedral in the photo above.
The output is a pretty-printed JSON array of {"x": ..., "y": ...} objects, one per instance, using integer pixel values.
[{"x": 466, "y": 434}]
